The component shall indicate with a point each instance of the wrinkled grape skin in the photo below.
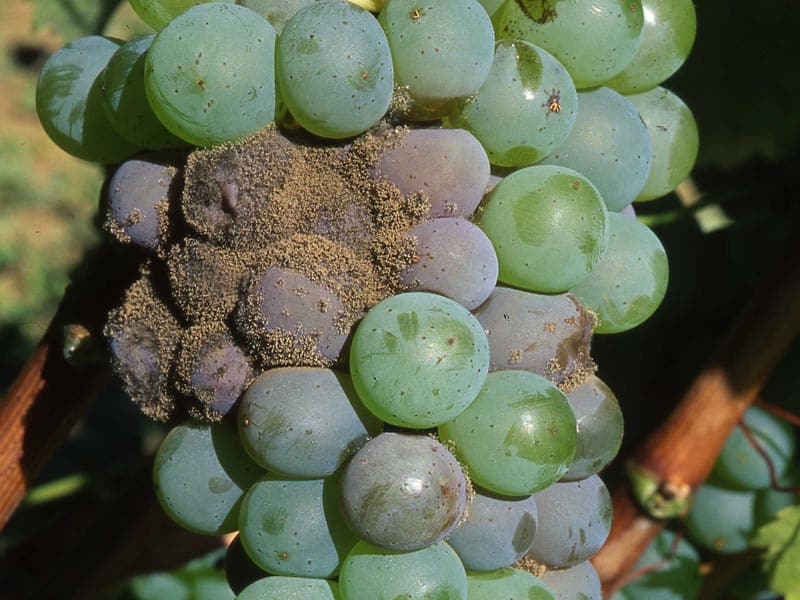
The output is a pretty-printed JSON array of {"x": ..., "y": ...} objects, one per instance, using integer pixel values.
[
  {"x": 600, "y": 428},
  {"x": 453, "y": 258},
  {"x": 524, "y": 110},
  {"x": 432, "y": 572},
  {"x": 548, "y": 226},
  {"x": 418, "y": 359},
  {"x": 139, "y": 195},
  {"x": 609, "y": 145},
  {"x": 200, "y": 474},
  {"x": 293, "y": 527},
  {"x": 667, "y": 38},
  {"x": 441, "y": 50},
  {"x": 70, "y": 105},
  {"x": 497, "y": 532},
  {"x": 303, "y": 421},
  {"x": 580, "y": 582},
  {"x": 673, "y": 138},
  {"x": 629, "y": 283},
  {"x": 449, "y": 166},
  {"x": 549, "y": 335},
  {"x": 194, "y": 66},
  {"x": 574, "y": 522},
  {"x": 507, "y": 583},
  {"x": 403, "y": 492},
  {"x": 334, "y": 69},
  {"x": 517, "y": 437},
  {"x": 593, "y": 40}
]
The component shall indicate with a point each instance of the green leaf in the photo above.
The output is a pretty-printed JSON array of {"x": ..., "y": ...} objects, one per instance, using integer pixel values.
[
  {"x": 73, "y": 18},
  {"x": 781, "y": 540}
]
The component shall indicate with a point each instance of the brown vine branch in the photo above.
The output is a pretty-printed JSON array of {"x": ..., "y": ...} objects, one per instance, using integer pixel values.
[
  {"x": 773, "y": 476},
  {"x": 675, "y": 460},
  {"x": 50, "y": 394},
  {"x": 635, "y": 574}
]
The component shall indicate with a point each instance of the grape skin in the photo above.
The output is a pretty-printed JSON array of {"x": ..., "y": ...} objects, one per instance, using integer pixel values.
[{"x": 580, "y": 582}]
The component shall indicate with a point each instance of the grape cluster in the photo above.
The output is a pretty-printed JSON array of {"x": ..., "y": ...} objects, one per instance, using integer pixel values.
[{"x": 374, "y": 250}]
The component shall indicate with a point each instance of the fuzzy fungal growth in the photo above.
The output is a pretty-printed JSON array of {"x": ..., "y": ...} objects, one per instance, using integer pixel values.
[{"x": 273, "y": 250}]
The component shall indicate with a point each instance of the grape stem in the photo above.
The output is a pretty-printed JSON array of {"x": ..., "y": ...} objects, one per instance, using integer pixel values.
[
  {"x": 681, "y": 452},
  {"x": 778, "y": 412},
  {"x": 648, "y": 568},
  {"x": 773, "y": 477}
]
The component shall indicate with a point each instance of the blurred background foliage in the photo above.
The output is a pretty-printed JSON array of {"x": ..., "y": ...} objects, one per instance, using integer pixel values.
[{"x": 742, "y": 81}]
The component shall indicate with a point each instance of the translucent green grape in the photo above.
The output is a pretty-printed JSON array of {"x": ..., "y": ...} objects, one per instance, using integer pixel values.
[
  {"x": 673, "y": 138},
  {"x": 334, "y": 69},
  {"x": 593, "y": 40},
  {"x": 200, "y": 474},
  {"x": 507, "y": 583},
  {"x": 518, "y": 437},
  {"x": 69, "y": 101},
  {"x": 609, "y": 144},
  {"x": 418, "y": 359},
  {"x": 433, "y": 572},
  {"x": 293, "y": 527},
  {"x": 289, "y": 588},
  {"x": 210, "y": 74},
  {"x": 548, "y": 225},
  {"x": 721, "y": 520},
  {"x": 525, "y": 108},
  {"x": 630, "y": 281},
  {"x": 158, "y": 13},
  {"x": 442, "y": 50},
  {"x": 277, "y": 12},
  {"x": 667, "y": 38},
  {"x": 125, "y": 99}
]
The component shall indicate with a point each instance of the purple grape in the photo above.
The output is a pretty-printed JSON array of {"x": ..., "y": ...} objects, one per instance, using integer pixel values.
[
  {"x": 288, "y": 319},
  {"x": 574, "y": 521},
  {"x": 205, "y": 279},
  {"x": 453, "y": 258},
  {"x": 449, "y": 166},
  {"x": 497, "y": 532},
  {"x": 212, "y": 370},
  {"x": 143, "y": 335},
  {"x": 547, "y": 335},
  {"x": 403, "y": 492},
  {"x": 139, "y": 196}
]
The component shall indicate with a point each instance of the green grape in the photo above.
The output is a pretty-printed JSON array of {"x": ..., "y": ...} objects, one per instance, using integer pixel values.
[
  {"x": 442, "y": 50},
  {"x": 740, "y": 466},
  {"x": 277, "y": 12},
  {"x": 630, "y": 281},
  {"x": 548, "y": 225},
  {"x": 200, "y": 473},
  {"x": 524, "y": 110},
  {"x": 593, "y": 40},
  {"x": 334, "y": 69},
  {"x": 289, "y": 588},
  {"x": 721, "y": 520},
  {"x": 418, "y": 359},
  {"x": 673, "y": 138},
  {"x": 209, "y": 74},
  {"x": 609, "y": 144},
  {"x": 69, "y": 101},
  {"x": 518, "y": 437},
  {"x": 158, "y": 13},
  {"x": 507, "y": 584},
  {"x": 370, "y": 572},
  {"x": 125, "y": 99},
  {"x": 667, "y": 38},
  {"x": 293, "y": 527}
]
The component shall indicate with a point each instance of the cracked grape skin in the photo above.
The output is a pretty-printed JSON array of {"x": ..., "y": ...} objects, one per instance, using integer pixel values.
[
  {"x": 418, "y": 359},
  {"x": 519, "y": 435}
]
